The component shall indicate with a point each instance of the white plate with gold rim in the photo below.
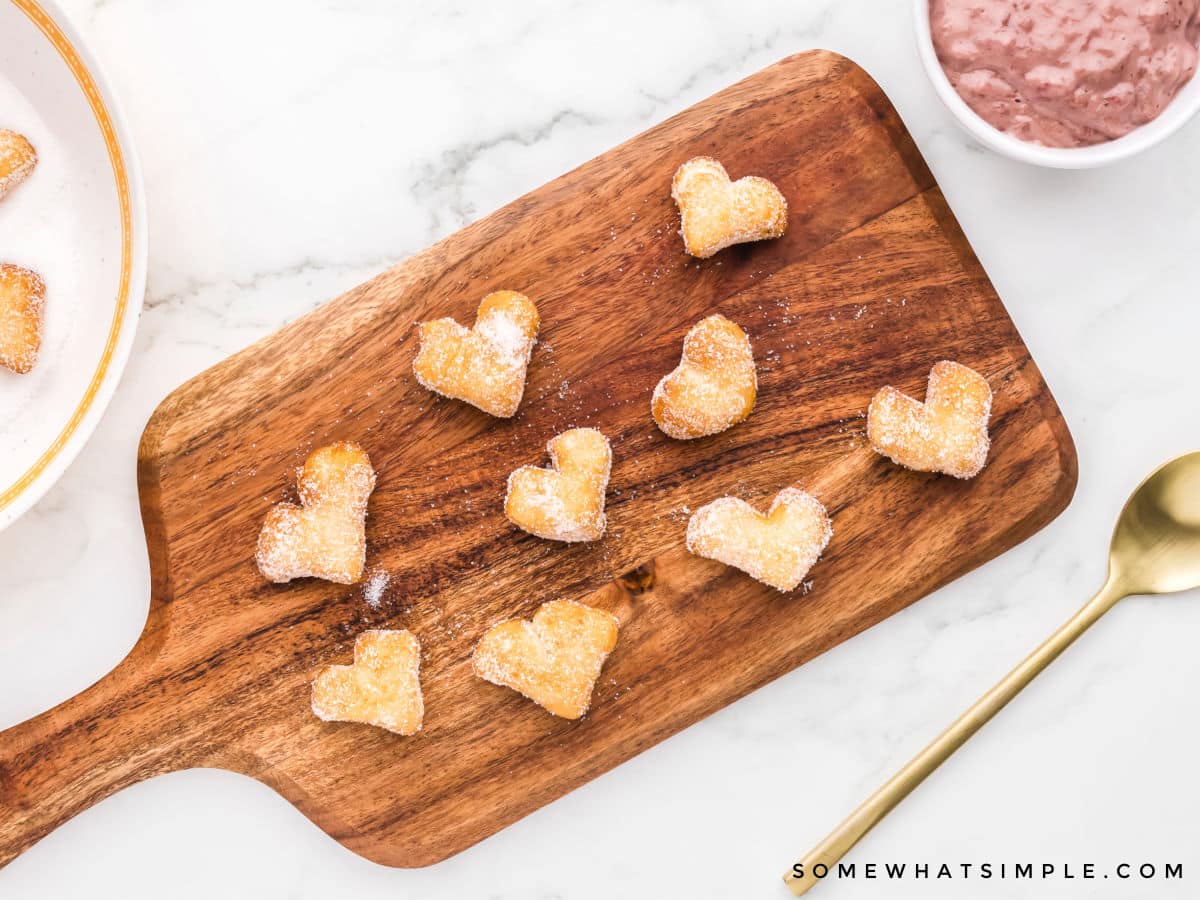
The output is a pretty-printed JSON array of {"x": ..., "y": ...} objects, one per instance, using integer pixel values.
[{"x": 80, "y": 222}]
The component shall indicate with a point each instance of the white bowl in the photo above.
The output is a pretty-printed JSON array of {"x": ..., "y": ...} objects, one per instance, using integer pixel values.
[
  {"x": 79, "y": 221},
  {"x": 1182, "y": 108}
]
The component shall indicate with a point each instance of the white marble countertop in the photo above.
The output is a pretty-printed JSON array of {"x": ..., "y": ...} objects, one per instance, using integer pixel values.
[{"x": 291, "y": 150}]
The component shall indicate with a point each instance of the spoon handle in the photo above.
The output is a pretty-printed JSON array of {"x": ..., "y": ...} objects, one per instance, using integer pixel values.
[{"x": 800, "y": 878}]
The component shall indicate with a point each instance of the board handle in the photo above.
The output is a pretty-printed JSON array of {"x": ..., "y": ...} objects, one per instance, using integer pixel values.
[{"x": 56, "y": 765}]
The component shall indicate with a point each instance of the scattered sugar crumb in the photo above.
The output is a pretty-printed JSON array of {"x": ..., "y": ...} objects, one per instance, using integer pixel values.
[{"x": 374, "y": 586}]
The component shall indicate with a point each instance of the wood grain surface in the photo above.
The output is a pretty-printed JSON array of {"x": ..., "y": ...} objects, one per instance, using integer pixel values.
[{"x": 872, "y": 283}]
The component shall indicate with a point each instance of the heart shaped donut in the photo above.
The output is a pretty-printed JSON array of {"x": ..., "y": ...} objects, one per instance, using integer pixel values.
[
  {"x": 381, "y": 688},
  {"x": 325, "y": 536},
  {"x": 777, "y": 549},
  {"x": 22, "y": 307},
  {"x": 554, "y": 660},
  {"x": 716, "y": 213},
  {"x": 566, "y": 501},
  {"x": 17, "y": 160},
  {"x": 713, "y": 387},
  {"x": 948, "y": 433},
  {"x": 484, "y": 365}
]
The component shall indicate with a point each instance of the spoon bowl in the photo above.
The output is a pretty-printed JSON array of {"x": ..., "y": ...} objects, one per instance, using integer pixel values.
[{"x": 1156, "y": 544}]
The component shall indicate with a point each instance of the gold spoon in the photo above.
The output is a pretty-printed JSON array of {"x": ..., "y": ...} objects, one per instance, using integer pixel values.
[{"x": 1155, "y": 550}]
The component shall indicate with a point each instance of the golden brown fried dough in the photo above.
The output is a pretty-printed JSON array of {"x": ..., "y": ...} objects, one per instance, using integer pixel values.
[
  {"x": 716, "y": 213},
  {"x": 484, "y": 365},
  {"x": 713, "y": 387},
  {"x": 17, "y": 160},
  {"x": 325, "y": 536},
  {"x": 566, "y": 501},
  {"x": 777, "y": 549},
  {"x": 947, "y": 433},
  {"x": 554, "y": 660},
  {"x": 381, "y": 688},
  {"x": 22, "y": 307}
]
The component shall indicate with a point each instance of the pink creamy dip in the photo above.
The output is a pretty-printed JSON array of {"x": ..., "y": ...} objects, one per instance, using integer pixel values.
[{"x": 1066, "y": 73}]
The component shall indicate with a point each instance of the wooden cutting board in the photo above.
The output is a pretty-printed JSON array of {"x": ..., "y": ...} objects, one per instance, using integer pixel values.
[{"x": 872, "y": 284}]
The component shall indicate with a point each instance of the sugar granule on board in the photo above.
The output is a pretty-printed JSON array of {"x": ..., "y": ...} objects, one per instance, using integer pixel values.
[{"x": 373, "y": 588}]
